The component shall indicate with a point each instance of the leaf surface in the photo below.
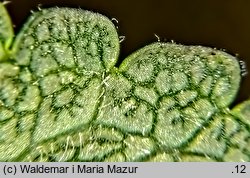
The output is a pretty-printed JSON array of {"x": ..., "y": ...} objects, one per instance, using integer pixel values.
[{"x": 63, "y": 99}]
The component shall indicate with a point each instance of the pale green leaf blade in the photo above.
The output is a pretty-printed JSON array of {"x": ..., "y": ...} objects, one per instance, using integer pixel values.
[
  {"x": 182, "y": 86},
  {"x": 242, "y": 111},
  {"x": 6, "y": 32},
  {"x": 62, "y": 99},
  {"x": 60, "y": 57}
]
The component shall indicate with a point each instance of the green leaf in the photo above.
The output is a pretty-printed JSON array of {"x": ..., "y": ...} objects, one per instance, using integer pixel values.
[
  {"x": 6, "y": 33},
  {"x": 242, "y": 111},
  {"x": 63, "y": 99}
]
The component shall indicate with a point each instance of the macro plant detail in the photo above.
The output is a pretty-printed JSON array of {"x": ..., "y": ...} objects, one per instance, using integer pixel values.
[{"x": 63, "y": 99}]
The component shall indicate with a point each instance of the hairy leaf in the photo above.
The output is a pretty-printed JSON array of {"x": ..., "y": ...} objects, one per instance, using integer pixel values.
[{"x": 63, "y": 99}]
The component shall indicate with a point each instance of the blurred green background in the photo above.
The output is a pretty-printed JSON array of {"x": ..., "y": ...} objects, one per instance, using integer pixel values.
[{"x": 224, "y": 24}]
